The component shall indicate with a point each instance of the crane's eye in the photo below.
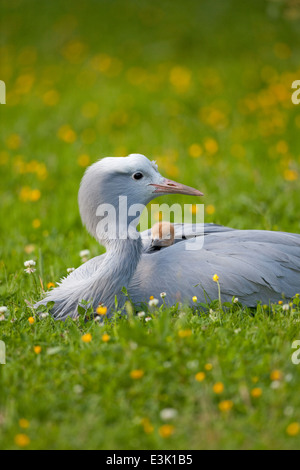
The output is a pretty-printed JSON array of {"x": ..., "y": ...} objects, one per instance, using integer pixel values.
[{"x": 137, "y": 176}]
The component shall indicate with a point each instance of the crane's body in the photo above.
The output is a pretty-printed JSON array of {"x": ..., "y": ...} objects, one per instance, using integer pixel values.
[{"x": 253, "y": 265}]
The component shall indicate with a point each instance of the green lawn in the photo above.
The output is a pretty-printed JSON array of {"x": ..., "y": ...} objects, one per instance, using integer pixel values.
[{"x": 205, "y": 89}]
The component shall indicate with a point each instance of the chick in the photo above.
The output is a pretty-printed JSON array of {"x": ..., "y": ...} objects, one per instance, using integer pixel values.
[{"x": 162, "y": 234}]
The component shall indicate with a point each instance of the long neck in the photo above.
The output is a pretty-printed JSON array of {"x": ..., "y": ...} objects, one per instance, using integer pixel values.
[
  {"x": 115, "y": 272},
  {"x": 112, "y": 226}
]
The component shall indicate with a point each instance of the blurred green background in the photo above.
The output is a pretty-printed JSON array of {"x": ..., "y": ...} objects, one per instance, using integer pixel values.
[{"x": 202, "y": 87}]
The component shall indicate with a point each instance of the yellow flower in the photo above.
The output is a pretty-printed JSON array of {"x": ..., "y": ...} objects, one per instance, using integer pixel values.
[
  {"x": 24, "y": 84},
  {"x": 180, "y": 78},
  {"x": 101, "y": 310},
  {"x": 293, "y": 429},
  {"x": 195, "y": 150},
  {"x": 148, "y": 428},
  {"x": 31, "y": 320},
  {"x": 184, "y": 333},
  {"x": 23, "y": 423},
  {"x": 136, "y": 374},
  {"x": 210, "y": 209},
  {"x": 13, "y": 141},
  {"x": 66, "y": 134},
  {"x": 25, "y": 194},
  {"x": 194, "y": 209},
  {"x": 105, "y": 338},
  {"x": 87, "y": 338},
  {"x": 225, "y": 405},
  {"x": 90, "y": 109},
  {"x": 215, "y": 277},
  {"x": 282, "y": 147},
  {"x": 35, "y": 195},
  {"x": 195, "y": 299},
  {"x": 37, "y": 349},
  {"x": 276, "y": 375},
  {"x": 36, "y": 223},
  {"x": 101, "y": 62},
  {"x": 200, "y": 376},
  {"x": 83, "y": 160},
  {"x": 74, "y": 51},
  {"x": 211, "y": 146},
  {"x": 218, "y": 388},
  {"x": 28, "y": 194},
  {"x": 50, "y": 284},
  {"x": 166, "y": 430},
  {"x": 256, "y": 392},
  {"x": 280, "y": 302},
  {"x": 51, "y": 98},
  {"x": 173, "y": 170},
  {"x": 22, "y": 440},
  {"x": 291, "y": 175},
  {"x": 208, "y": 367},
  {"x": 151, "y": 297}
]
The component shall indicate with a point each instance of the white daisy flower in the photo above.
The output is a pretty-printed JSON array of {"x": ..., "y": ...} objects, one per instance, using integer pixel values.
[
  {"x": 288, "y": 377},
  {"x": 192, "y": 364},
  {"x": 213, "y": 316},
  {"x": 167, "y": 364},
  {"x": 285, "y": 307},
  {"x": 85, "y": 255},
  {"x": 275, "y": 385},
  {"x": 235, "y": 300},
  {"x": 141, "y": 314},
  {"x": 78, "y": 389},
  {"x": 168, "y": 414},
  {"x": 29, "y": 263},
  {"x": 3, "y": 309},
  {"x": 148, "y": 318},
  {"x": 163, "y": 295},
  {"x": 44, "y": 315},
  {"x": 153, "y": 302},
  {"x": 288, "y": 411}
]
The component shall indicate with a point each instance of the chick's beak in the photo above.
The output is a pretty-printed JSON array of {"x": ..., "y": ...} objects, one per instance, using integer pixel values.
[{"x": 172, "y": 187}]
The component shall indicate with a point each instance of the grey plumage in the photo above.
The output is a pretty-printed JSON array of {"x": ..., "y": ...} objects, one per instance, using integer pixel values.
[
  {"x": 184, "y": 232},
  {"x": 251, "y": 264}
]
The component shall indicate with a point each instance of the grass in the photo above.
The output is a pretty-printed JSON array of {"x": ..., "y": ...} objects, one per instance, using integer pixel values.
[
  {"x": 78, "y": 394},
  {"x": 206, "y": 91}
]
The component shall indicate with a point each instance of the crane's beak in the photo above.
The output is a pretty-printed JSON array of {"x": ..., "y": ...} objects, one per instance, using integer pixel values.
[{"x": 172, "y": 187}]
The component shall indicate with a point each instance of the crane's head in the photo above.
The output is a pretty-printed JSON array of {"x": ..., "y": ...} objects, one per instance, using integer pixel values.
[{"x": 116, "y": 181}]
